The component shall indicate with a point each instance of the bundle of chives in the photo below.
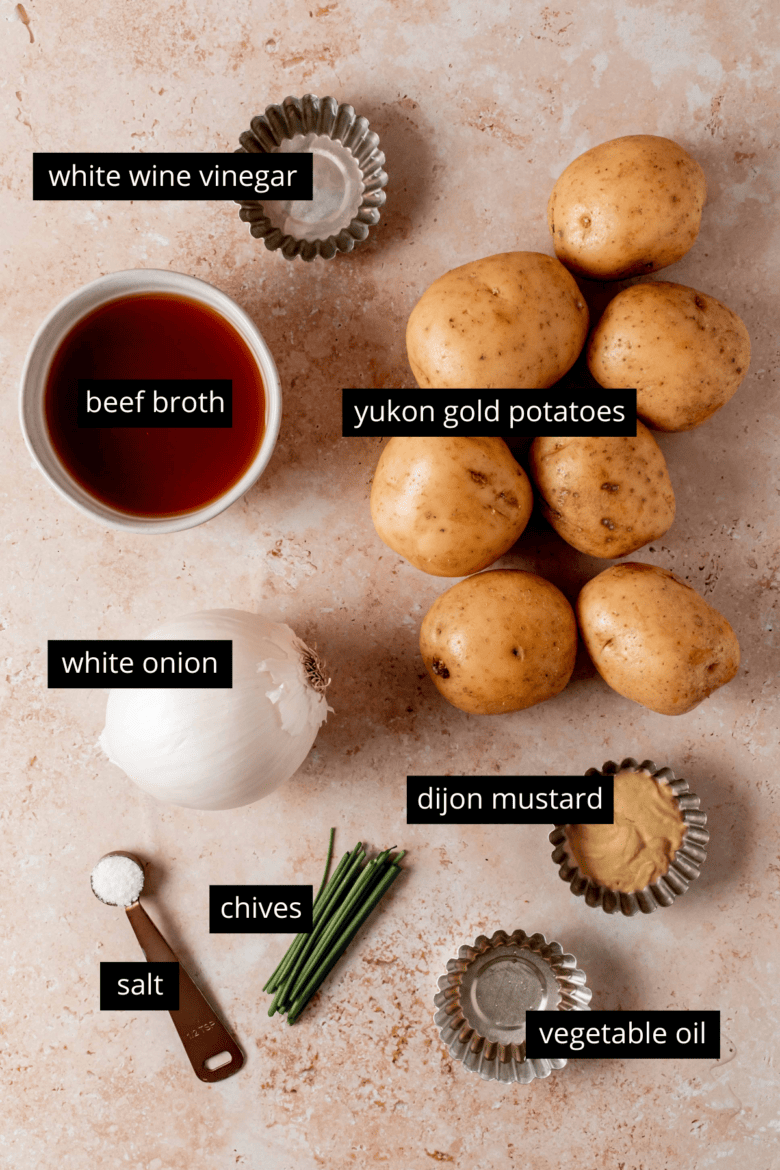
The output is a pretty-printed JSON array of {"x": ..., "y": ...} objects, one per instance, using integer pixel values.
[{"x": 341, "y": 907}]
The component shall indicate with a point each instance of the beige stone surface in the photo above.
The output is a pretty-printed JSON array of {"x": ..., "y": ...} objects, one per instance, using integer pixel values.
[{"x": 479, "y": 108}]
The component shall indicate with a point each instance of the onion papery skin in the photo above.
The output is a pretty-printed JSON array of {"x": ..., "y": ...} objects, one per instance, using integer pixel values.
[{"x": 217, "y": 748}]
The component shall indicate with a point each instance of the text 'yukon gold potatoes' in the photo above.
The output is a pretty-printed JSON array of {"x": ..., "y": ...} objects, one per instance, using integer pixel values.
[
  {"x": 499, "y": 641},
  {"x": 516, "y": 320}
]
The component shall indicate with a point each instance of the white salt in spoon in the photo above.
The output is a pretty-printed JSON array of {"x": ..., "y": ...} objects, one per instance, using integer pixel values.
[{"x": 117, "y": 880}]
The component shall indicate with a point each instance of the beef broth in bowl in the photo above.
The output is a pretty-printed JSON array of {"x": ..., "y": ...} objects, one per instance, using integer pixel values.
[{"x": 150, "y": 400}]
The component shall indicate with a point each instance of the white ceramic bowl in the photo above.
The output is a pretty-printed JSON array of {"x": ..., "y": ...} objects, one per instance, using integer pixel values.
[{"x": 53, "y": 332}]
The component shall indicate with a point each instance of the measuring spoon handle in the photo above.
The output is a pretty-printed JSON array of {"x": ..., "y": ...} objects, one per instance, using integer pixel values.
[{"x": 200, "y": 1029}]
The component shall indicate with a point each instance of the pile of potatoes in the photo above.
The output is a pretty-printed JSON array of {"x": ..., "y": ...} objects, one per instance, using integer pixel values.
[
  {"x": 626, "y": 208},
  {"x": 505, "y": 640}
]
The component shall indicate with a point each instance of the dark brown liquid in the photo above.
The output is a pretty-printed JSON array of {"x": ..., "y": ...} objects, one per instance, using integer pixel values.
[{"x": 157, "y": 472}]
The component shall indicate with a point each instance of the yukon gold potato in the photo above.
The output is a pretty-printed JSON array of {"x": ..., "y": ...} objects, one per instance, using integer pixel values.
[
  {"x": 508, "y": 321},
  {"x": 606, "y": 497},
  {"x": 685, "y": 352},
  {"x": 450, "y": 505},
  {"x": 629, "y": 206},
  {"x": 499, "y": 641},
  {"x": 654, "y": 639}
]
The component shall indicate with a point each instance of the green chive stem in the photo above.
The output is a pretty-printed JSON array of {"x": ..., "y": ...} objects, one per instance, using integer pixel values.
[
  {"x": 335, "y": 877},
  {"x": 335, "y": 889},
  {"x": 329, "y": 960},
  {"x": 276, "y": 977},
  {"x": 343, "y": 941},
  {"x": 328, "y": 860},
  {"x": 331, "y": 929},
  {"x": 343, "y": 903},
  {"x": 309, "y": 941},
  {"x": 274, "y": 1005},
  {"x": 280, "y": 973}
]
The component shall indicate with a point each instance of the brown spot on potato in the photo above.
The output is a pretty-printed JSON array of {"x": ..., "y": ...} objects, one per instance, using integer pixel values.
[
  {"x": 439, "y": 669},
  {"x": 478, "y": 477},
  {"x": 615, "y": 487},
  {"x": 610, "y": 524}
]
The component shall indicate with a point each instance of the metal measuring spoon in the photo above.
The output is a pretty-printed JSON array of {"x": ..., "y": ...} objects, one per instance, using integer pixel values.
[{"x": 204, "y": 1036}]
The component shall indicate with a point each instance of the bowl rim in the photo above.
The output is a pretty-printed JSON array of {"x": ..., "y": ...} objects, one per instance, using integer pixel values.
[
  {"x": 335, "y": 120},
  {"x": 60, "y": 321},
  {"x": 684, "y": 868},
  {"x": 493, "y": 1060}
]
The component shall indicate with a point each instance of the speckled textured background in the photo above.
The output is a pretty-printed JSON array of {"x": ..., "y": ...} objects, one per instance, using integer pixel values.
[{"x": 479, "y": 108}]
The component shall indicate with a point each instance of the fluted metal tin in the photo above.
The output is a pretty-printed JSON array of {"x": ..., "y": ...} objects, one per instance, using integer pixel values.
[
  {"x": 486, "y": 992},
  {"x": 684, "y": 868},
  {"x": 348, "y": 178}
]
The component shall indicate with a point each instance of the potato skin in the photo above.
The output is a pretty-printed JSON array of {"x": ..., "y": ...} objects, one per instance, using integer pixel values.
[
  {"x": 605, "y": 496},
  {"x": 654, "y": 639},
  {"x": 512, "y": 320},
  {"x": 685, "y": 352},
  {"x": 451, "y": 505},
  {"x": 626, "y": 207},
  {"x": 500, "y": 641}
]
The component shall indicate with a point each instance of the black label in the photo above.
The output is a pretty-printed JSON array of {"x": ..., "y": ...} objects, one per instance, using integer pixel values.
[
  {"x": 189, "y": 175},
  {"x": 260, "y": 909},
  {"x": 376, "y": 414},
  {"x": 622, "y": 1035},
  {"x": 133, "y": 987},
  {"x": 509, "y": 800},
  {"x": 191, "y": 664},
  {"x": 167, "y": 402}
]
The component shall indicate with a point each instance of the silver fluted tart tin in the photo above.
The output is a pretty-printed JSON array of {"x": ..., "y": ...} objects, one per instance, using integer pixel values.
[
  {"x": 684, "y": 868},
  {"x": 347, "y": 149},
  {"x": 483, "y": 998}
]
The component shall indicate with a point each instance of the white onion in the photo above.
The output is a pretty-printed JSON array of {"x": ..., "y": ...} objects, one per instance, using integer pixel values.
[{"x": 222, "y": 748}]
